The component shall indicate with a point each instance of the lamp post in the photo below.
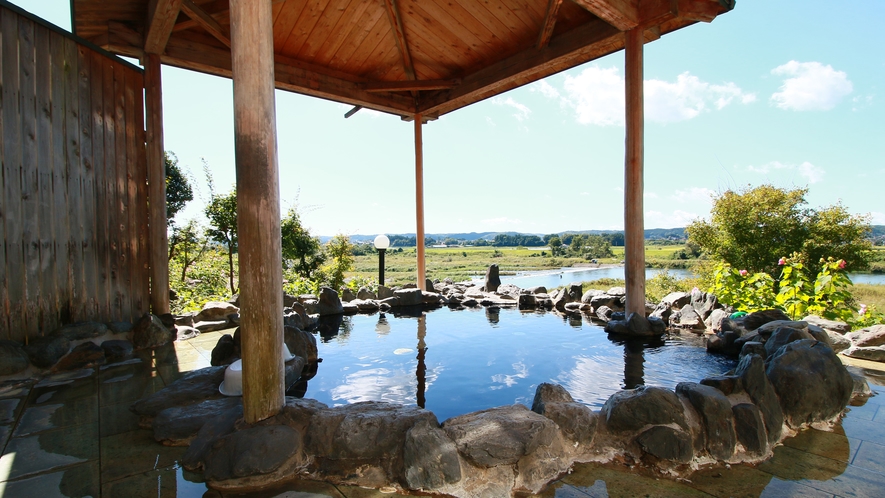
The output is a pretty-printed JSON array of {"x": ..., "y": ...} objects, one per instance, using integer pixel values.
[{"x": 381, "y": 243}]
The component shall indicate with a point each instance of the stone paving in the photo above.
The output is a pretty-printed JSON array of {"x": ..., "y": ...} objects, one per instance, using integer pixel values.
[{"x": 72, "y": 435}]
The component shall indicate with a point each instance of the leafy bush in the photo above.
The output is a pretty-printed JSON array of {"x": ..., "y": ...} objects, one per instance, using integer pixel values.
[{"x": 662, "y": 284}]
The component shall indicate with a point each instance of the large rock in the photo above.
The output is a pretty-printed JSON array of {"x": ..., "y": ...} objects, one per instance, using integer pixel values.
[
  {"x": 811, "y": 382},
  {"x": 362, "y": 443},
  {"x": 589, "y": 295},
  {"x": 636, "y": 325},
  {"x": 82, "y": 330},
  {"x": 783, "y": 336},
  {"x": 758, "y": 318},
  {"x": 769, "y": 328},
  {"x": 193, "y": 387},
  {"x": 718, "y": 420},
  {"x": 222, "y": 424},
  {"x": 301, "y": 343},
  {"x": 431, "y": 458},
  {"x": 493, "y": 279},
  {"x": 631, "y": 411},
  {"x": 666, "y": 443},
  {"x": 329, "y": 303},
  {"x": 215, "y": 311},
  {"x": 149, "y": 332},
  {"x": 868, "y": 337},
  {"x": 500, "y": 436},
  {"x": 178, "y": 425},
  {"x": 704, "y": 303},
  {"x": 714, "y": 321},
  {"x": 688, "y": 317},
  {"x": 46, "y": 351},
  {"x": 116, "y": 350},
  {"x": 576, "y": 420},
  {"x": 612, "y": 302},
  {"x": 873, "y": 353},
  {"x": 830, "y": 325},
  {"x": 13, "y": 359},
  {"x": 676, "y": 300},
  {"x": 750, "y": 428},
  {"x": 253, "y": 457},
  {"x": 86, "y": 354},
  {"x": 225, "y": 351},
  {"x": 751, "y": 371},
  {"x": 409, "y": 297}
]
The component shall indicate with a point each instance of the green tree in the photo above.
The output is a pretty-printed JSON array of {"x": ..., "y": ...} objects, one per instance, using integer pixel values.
[
  {"x": 191, "y": 246},
  {"x": 555, "y": 244},
  {"x": 752, "y": 229},
  {"x": 340, "y": 257},
  {"x": 301, "y": 252},
  {"x": 222, "y": 214},
  {"x": 178, "y": 187}
]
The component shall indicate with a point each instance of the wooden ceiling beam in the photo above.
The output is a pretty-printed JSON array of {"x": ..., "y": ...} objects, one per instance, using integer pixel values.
[
  {"x": 206, "y": 21},
  {"x": 396, "y": 24},
  {"x": 408, "y": 86},
  {"x": 160, "y": 22},
  {"x": 221, "y": 15},
  {"x": 622, "y": 14},
  {"x": 549, "y": 23},
  {"x": 702, "y": 10}
]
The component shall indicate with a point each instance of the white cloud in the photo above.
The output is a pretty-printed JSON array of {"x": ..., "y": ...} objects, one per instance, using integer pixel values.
[
  {"x": 877, "y": 218},
  {"x": 490, "y": 121},
  {"x": 546, "y": 89},
  {"x": 597, "y": 96},
  {"x": 694, "y": 194},
  {"x": 678, "y": 218},
  {"x": 861, "y": 101},
  {"x": 522, "y": 112},
  {"x": 811, "y": 86},
  {"x": 811, "y": 173},
  {"x": 650, "y": 195}
]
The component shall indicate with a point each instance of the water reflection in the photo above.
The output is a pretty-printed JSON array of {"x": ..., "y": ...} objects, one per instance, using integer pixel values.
[
  {"x": 634, "y": 358},
  {"x": 421, "y": 371},
  {"x": 493, "y": 315},
  {"x": 330, "y": 326}
]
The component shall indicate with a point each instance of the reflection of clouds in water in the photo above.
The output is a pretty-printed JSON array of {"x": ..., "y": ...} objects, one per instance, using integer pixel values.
[
  {"x": 593, "y": 379},
  {"x": 382, "y": 384},
  {"x": 510, "y": 380}
]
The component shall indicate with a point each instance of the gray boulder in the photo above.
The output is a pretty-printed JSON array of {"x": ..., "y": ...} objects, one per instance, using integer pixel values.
[
  {"x": 588, "y": 296},
  {"x": 116, "y": 350},
  {"x": 431, "y": 458},
  {"x": 718, "y": 420},
  {"x": 13, "y": 358},
  {"x": 301, "y": 343},
  {"x": 811, "y": 382},
  {"x": 783, "y": 336},
  {"x": 384, "y": 292},
  {"x": 149, "y": 332},
  {"x": 868, "y": 337},
  {"x": 46, "y": 351},
  {"x": 714, "y": 321},
  {"x": 749, "y": 428},
  {"x": 408, "y": 297},
  {"x": 604, "y": 313},
  {"x": 214, "y": 428},
  {"x": 872, "y": 353},
  {"x": 755, "y": 382},
  {"x": 185, "y": 333},
  {"x": 215, "y": 311},
  {"x": 758, "y": 318},
  {"x": 329, "y": 303},
  {"x": 676, "y": 300},
  {"x": 253, "y": 457},
  {"x": 178, "y": 425},
  {"x": 85, "y": 355},
  {"x": 703, "y": 303},
  {"x": 493, "y": 279},
  {"x": 347, "y": 295},
  {"x": 666, "y": 443},
  {"x": 575, "y": 293},
  {"x": 366, "y": 294},
  {"x": 830, "y": 325},
  {"x": 82, "y": 330},
  {"x": 687, "y": 317},
  {"x": 191, "y": 388},
  {"x": 631, "y": 411}
]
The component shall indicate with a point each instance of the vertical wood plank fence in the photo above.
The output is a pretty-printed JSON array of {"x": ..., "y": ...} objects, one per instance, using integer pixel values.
[{"x": 73, "y": 203}]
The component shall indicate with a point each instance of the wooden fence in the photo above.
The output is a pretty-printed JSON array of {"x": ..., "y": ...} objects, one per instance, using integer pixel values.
[{"x": 73, "y": 205}]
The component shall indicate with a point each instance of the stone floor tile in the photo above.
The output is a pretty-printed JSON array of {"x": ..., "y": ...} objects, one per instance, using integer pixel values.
[
  {"x": 48, "y": 416},
  {"x": 617, "y": 480},
  {"x": 778, "y": 488},
  {"x": 73, "y": 482},
  {"x": 880, "y": 415},
  {"x": 563, "y": 490},
  {"x": 128, "y": 383},
  {"x": 795, "y": 465},
  {"x": 207, "y": 341},
  {"x": 171, "y": 481},
  {"x": 296, "y": 489},
  {"x": 10, "y": 408},
  {"x": 51, "y": 450},
  {"x": 63, "y": 388},
  {"x": 134, "y": 452},
  {"x": 117, "y": 419},
  {"x": 866, "y": 430},
  {"x": 854, "y": 482},
  {"x": 737, "y": 481},
  {"x": 831, "y": 444},
  {"x": 5, "y": 433},
  {"x": 862, "y": 409},
  {"x": 870, "y": 456}
]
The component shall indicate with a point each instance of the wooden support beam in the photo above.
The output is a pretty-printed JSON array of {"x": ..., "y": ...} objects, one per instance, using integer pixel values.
[
  {"x": 407, "y": 86},
  {"x": 351, "y": 112},
  {"x": 396, "y": 24},
  {"x": 419, "y": 202},
  {"x": 159, "y": 245},
  {"x": 702, "y": 10},
  {"x": 258, "y": 208},
  {"x": 206, "y": 21},
  {"x": 622, "y": 14},
  {"x": 161, "y": 20},
  {"x": 222, "y": 16},
  {"x": 549, "y": 23},
  {"x": 634, "y": 243}
]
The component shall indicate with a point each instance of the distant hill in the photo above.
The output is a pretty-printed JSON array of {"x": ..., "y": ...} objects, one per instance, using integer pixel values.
[{"x": 668, "y": 234}]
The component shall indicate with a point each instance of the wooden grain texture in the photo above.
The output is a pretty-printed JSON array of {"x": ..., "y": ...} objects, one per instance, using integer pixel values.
[
  {"x": 634, "y": 243},
  {"x": 99, "y": 167},
  {"x": 258, "y": 209},
  {"x": 206, "y": 21},
  {"x": 111, "y": 201},
  {"x": 77, "y": 297},
  {"x": 47, "y": 301},
  {"x": 29, "y": 175},
  {"x": 133, "y": 182},
  {"x": 61, "y": 214},
  {"x": 4, "y": 278},
  {"x": 159, "y": 245},
  {"x": 622, "y": 14},
  {"x": 159, "y": 28},
  {"x": 88, "y": 237},
  {"x": 135, "y": 84},
  {"x": 549, "y": 23}
]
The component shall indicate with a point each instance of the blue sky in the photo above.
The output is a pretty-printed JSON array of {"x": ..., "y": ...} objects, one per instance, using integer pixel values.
[{"x": 783, "y": 92}]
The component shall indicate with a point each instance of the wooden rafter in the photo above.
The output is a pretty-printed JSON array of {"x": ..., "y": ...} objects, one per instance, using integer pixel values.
[
  {"x": 160, "y": 24},
  {"x": 407, "y": 86},
  {"x": 549, "y": 23},
  {"x": 206, "y": 21},
  {"x": 622, "y": 14},
  {"x": 222, "y": 16},
  {"x": 396, "y": 24}
]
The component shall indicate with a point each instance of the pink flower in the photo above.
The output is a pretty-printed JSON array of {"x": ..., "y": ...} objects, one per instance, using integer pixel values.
[
  {"x": 841, "y": 264},
  {"x": 863, "y": 310},
  {"x": 743, "y": 273},
  {"x": 782, "y": 262}
]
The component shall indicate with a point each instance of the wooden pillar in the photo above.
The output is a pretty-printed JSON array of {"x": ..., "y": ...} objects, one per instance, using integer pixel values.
[
  {"x": 159, "y": 244},
  {"x": 258, "y": 208},
  {"x": 634, "y": 243},
  {"x": 419, "y": 202}
]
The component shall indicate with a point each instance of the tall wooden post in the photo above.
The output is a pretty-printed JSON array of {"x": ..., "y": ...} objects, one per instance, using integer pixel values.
[
  {"x": 258, "y": 208},
  {"x": 159, "y": 245},
  {"x": 419, "y": 201},
  {"x": 634, "y": 243}
]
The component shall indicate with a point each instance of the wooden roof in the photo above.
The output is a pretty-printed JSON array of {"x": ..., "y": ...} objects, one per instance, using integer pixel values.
[{"x": 398, "y": 56}]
